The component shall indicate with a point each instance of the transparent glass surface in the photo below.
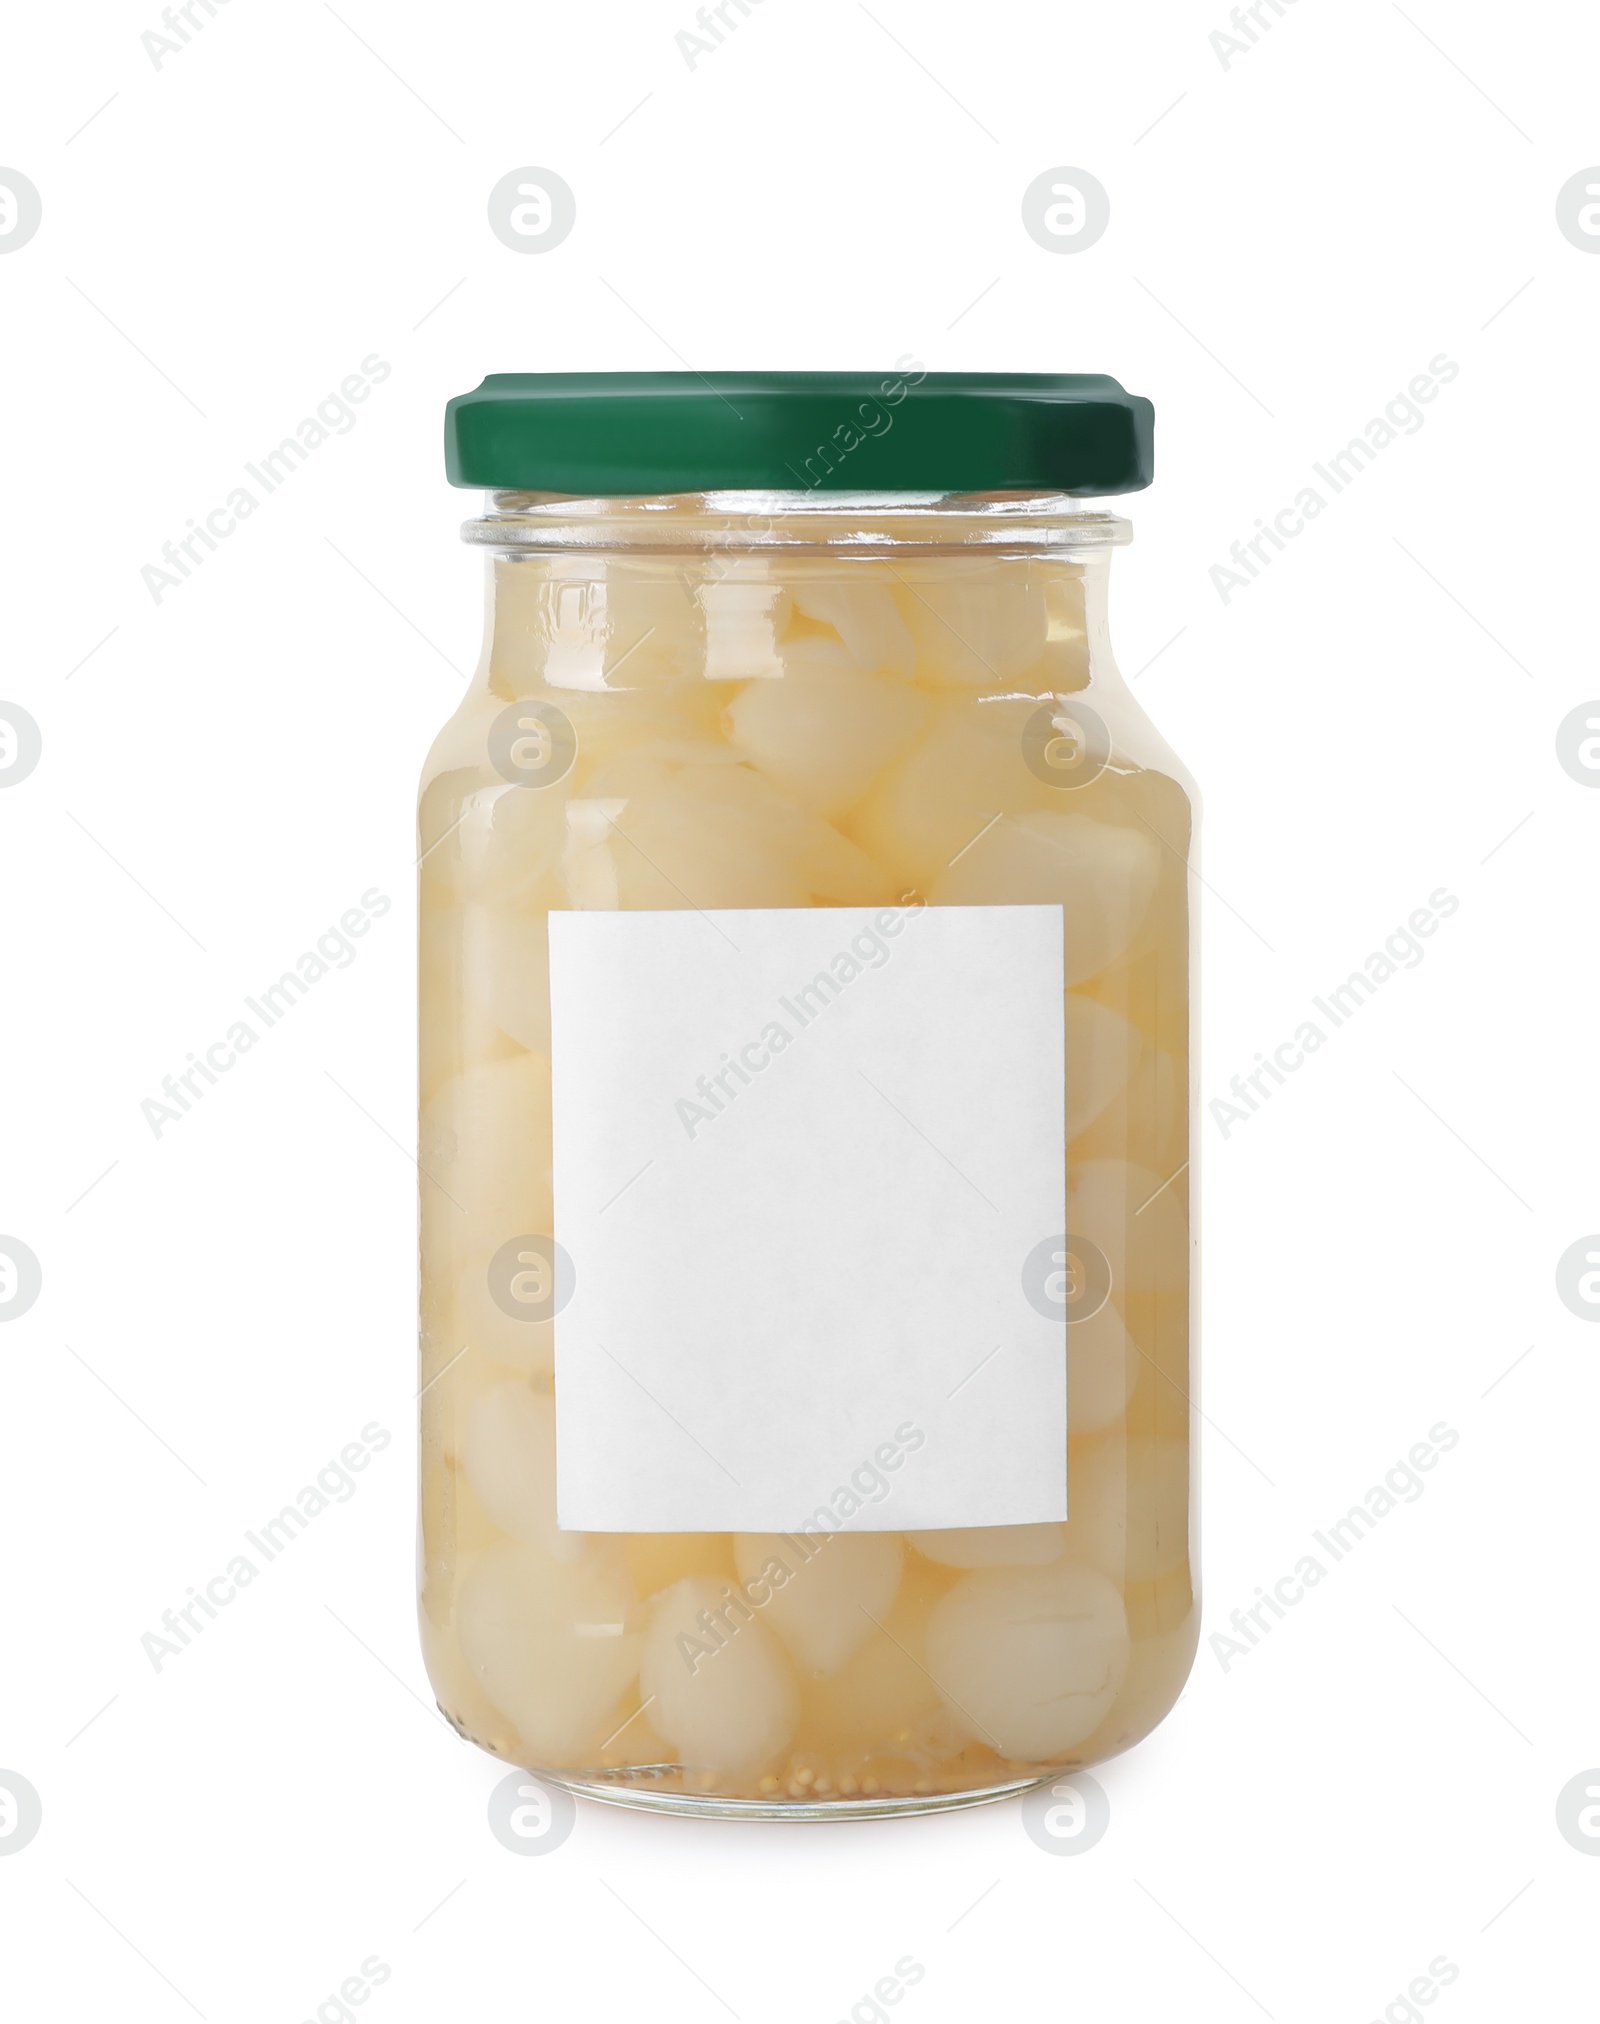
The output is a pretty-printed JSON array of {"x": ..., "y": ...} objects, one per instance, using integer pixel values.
[{"x": 800, "y": 701}]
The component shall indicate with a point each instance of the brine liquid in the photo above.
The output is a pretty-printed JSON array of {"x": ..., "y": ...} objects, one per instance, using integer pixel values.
[{"x": 804, "y": 730}]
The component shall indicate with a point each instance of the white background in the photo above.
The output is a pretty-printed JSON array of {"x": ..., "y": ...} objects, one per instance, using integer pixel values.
[{"x": 1292, "y": 239}]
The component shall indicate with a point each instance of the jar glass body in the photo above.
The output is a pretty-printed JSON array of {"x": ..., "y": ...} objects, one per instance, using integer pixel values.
[{"x": 747, "y": 701}]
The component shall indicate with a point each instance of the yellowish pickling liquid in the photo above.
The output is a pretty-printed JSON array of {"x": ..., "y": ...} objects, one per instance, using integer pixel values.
[{"x": 805, "y": 728}]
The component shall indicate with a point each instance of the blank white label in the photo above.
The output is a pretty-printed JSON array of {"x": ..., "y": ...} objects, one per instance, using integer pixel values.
[{"x": 801, "y": 1156}]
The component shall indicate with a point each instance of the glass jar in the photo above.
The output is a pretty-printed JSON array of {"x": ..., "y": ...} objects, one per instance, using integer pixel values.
[{"x": 806, "y": 1090}]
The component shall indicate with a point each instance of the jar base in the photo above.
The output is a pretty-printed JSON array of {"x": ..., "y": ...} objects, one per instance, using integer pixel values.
[{"x": 635, "y": 1787}]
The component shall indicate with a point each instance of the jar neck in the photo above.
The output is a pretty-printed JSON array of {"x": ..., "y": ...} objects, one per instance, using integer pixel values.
[
  {"x": 575, "y": 617},
  {"x": 746, "y": 522}
]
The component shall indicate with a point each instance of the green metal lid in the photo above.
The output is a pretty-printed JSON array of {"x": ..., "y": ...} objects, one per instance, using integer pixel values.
[{"x": 615, "y": 433}]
